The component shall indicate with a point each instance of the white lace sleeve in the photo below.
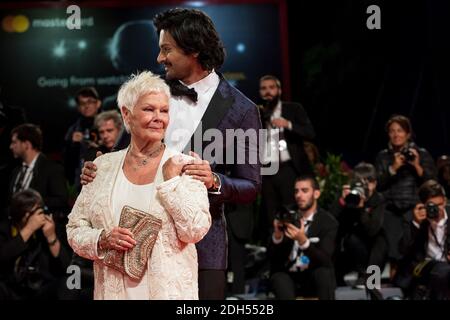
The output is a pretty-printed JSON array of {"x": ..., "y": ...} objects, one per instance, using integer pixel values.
[
  {"x": 186, "y": 200},
  {"x": 82, "y": 237}
]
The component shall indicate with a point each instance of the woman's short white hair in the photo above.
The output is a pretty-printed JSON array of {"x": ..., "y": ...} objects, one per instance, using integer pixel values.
[{"x": 138, "y": 85}]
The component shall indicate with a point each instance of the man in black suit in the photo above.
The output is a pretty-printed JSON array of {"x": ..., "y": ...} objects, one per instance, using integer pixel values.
[
  {"x": 426, "y": 245},
  {"x": 302, "y": 246},
  {"x": 291, "y": 123},
  {"x": 37, "y": 172}
]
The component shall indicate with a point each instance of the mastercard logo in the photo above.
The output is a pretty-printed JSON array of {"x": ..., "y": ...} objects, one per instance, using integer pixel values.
[{"x": 19, "y": 23}]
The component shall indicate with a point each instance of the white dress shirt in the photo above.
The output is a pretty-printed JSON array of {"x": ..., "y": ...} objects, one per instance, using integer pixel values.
[
  {"x": 185, "y": 115},
  {"x": 278, "y": 151},
  {"x": 436, "y": 249}
]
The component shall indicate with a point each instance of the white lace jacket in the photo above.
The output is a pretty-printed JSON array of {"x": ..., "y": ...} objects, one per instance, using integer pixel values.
[{"x": 182, "y": 204}]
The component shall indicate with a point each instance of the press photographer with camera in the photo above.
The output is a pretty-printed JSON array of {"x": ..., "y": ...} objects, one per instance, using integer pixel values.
[
  {"x": 401, "y": 168},
  {"x": 426, "y": 245},
  {"x": 302, "y": 246},
  {"x": 360, "y": 212},
  {"x": 32, "y": 257},
  {"x": 82, "y": 134}
]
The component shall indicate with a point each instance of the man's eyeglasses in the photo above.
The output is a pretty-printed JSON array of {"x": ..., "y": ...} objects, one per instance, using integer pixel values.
[{"x": 87, "y": 102}]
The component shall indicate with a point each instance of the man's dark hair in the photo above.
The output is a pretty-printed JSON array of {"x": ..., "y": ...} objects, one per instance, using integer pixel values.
[
  {"x": 21, "y": 203},
  {"x": 311, "y": 178},
  {"x": 430, "y": 189},
  {"x": 89, "y": 92},
  {"x": 194, "y": 32},
  {"x": 365, "y": 170},
  {"x": 29, "y": 132}
]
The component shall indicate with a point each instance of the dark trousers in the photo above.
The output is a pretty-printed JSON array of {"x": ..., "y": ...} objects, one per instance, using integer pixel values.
[
  {"x": 436, "y": 278},
  {"x": 276, "y": 190},
  {"x": 319, "y": 282},
  {"x": 211, "y": 284},
  {"x": 359, "y": 252},
  {"x": 236, "y": 263},
  {"x": 393, "y": 226}
]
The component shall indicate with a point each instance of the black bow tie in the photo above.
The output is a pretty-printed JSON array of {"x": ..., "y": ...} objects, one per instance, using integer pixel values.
[{"x": 178, "y": 89}]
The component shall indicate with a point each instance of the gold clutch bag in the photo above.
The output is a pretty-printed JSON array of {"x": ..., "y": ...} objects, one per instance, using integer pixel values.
[{"x": 145, "y": 228}]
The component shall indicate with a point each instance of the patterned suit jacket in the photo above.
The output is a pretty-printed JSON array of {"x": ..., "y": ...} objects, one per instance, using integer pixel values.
[
  {"x": 181, "y": 203},
  {"x": 228, "y": 110}
]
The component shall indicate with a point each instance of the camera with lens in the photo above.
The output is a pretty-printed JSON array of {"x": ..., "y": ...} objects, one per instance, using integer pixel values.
[
  {"x": 289, "y": 215},
  {"x": 408, "y": 154},
  {"x": 432, "y": 210},
  {"x": 359, "y": 188}
]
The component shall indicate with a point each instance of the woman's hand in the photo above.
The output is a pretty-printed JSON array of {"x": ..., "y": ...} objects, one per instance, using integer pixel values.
[
  {"x": 399, "y": 160},
  {"x": 173, "y": 167},
  {"x": 49, "y": 228},
  {"x": 416, "y": 162},
  {"x": 35, "y": 221},
  {"x": 120, "y": 239}
]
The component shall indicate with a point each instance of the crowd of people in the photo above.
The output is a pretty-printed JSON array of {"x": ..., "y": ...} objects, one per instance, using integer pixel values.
[{"x": 135, "y": 191}]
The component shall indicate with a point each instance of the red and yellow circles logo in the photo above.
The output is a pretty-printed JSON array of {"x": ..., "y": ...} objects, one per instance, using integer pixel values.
[{"x": 18, "y": 23}]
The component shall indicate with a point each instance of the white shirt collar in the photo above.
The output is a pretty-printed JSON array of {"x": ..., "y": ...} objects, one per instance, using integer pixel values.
[
  {"x": 204, "y": 85},
  {"x": 31, "y": 166},
  {"x": 311, "y": 217}
]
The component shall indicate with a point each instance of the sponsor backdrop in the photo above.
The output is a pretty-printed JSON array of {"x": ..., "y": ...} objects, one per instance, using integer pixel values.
[{"x": 44, "y": 62}]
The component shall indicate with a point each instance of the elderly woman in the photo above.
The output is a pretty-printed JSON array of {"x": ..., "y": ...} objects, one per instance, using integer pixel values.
[{"x": 146, "y": 176}]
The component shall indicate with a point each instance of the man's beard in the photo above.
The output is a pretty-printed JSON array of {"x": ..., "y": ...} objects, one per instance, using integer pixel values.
[
  {"x": 271, "y": 103},
  {"x": 307, "y": 206},
  {"x": 269, "y": 106}
]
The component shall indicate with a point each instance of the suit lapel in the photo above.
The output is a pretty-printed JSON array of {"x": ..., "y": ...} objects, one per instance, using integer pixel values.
[
  {"x": 216, "y": 110},
  {"x": 313, "y": 229},
  {"x": 12, "y": 182},
  {"x": 286, "y": 112},
  {"x": 36, "y": 170}
]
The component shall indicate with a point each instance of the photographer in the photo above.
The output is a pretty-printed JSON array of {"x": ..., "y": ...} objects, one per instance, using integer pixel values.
[
  {"x": 32, "y": 257},
  {"x": 109, "y": 126},
  {"x": 82, "y": 134},
  {"x": 426, "y": 245},
  {"x": 360, "y": 212},
  {"x": 401, "y": 169},
  {"x": 302, "y": 246}
]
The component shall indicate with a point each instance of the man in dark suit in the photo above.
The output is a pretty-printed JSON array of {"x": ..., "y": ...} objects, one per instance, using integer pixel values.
[
  {"x": 289, "y": 121},
  {"x": 210, "y": 105},
  {"x": 302, "y": 246},
  {"x": 37, "y": 172},
  {"x": 425, "y": 245}
]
